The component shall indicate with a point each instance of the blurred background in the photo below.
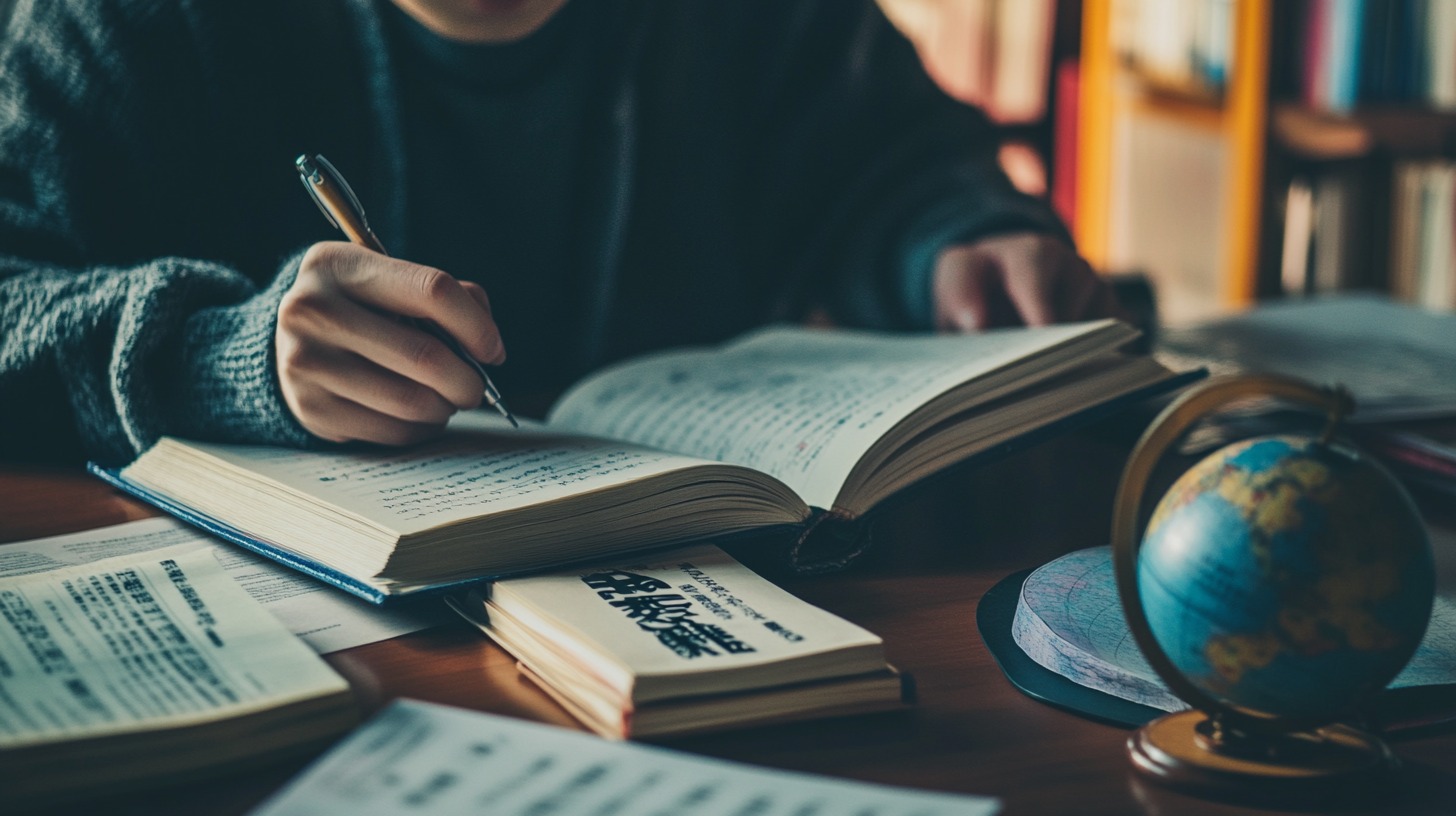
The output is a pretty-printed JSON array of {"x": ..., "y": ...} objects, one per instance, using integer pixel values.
[{"x": 1231, "y": 151}]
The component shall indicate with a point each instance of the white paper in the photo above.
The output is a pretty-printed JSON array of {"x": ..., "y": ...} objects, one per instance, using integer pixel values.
[
  {"x": 1396, "y": 360},
  {"x": 676, "y": 617},
  {"x": 798, "y": 404},
  {"x": 149, "y": 640},
  {"x": 480, "y": 466},
  {"x": 328, "y": 620},
  {"x": 421, "y": 758}
]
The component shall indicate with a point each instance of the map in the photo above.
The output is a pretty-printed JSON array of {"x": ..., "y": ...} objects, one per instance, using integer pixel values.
[{"x": 1068, "y": 620}]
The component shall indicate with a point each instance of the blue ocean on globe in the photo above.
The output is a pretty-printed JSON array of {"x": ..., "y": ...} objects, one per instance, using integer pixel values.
[{"x": 1287, "y": 577}]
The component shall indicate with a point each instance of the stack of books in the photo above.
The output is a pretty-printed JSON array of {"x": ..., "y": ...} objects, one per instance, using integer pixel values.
[{"x": 688, "y": 641}]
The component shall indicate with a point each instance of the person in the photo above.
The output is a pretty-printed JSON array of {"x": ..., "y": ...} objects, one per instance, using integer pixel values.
[{"x": 585, "y": 180}]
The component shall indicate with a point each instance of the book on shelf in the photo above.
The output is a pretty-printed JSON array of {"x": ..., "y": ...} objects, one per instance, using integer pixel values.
[
  {"x": 687, "y": 641},
  {"x": 1358, "y": 52},
  {"x": 1185, "y": 48},
  {"x": 120, "y": 673},
  {"x": 789, "y": 430},
  {"x": 1422, "y": 246}
]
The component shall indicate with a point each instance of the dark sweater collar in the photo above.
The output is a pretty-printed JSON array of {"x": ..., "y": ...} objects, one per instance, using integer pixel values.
[{"x": 489, "y": 66}]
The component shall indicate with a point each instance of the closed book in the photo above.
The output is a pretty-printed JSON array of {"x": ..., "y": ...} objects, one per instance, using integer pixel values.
[{"x": 685, "y": 642}]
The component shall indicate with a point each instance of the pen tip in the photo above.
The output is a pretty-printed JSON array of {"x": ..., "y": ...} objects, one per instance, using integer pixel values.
[{"x": 500, "y": 407}]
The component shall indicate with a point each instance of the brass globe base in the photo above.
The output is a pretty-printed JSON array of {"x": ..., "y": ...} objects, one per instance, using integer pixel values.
[{"x": 1187, "y": 752}]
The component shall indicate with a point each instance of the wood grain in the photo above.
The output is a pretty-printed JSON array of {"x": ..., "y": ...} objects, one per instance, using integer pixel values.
[{"x": 936, "y": 552}]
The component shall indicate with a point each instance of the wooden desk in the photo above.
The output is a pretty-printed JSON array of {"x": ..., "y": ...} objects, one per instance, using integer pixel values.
[{"x": 936, "y": 554}]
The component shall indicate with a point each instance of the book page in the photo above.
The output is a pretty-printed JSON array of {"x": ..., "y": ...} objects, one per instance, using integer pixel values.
[
  {"x": 799, "y": 404},
  {"x": 480, "y": 466},
  {"x": 145, "y": 641},
  {"x": 327, "y": 619},
  {"x": 1395, "y": 359},
  {"x": 691, "y": 612},
  {"x": 422, "y": 758}
]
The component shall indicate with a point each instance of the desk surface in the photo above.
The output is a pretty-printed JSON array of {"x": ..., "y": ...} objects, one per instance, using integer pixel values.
[{"x": 936, "y": 554}]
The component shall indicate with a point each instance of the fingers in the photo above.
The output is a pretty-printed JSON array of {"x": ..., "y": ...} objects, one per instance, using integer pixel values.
[
  {"x": 350, "y": 369},
  {"x": 404, "y": 288},
  {"x": 1039, "y": 277},
  {"x": 345, "y": 421},
  {"x": 392, "y": 345}
]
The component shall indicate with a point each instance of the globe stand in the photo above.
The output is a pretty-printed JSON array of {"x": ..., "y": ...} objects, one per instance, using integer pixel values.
[
  {"x": 1190, "y": 752},
  {"x": 1219, "y": 750}
]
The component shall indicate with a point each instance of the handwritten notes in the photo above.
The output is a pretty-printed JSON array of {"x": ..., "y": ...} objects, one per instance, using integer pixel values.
[{"x": 421, "y": 758}]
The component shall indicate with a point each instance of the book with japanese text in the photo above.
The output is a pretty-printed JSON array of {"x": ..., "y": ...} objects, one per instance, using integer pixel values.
[
  {"x": 686, "y": 641},
  {"x": 804, "y": 430}
]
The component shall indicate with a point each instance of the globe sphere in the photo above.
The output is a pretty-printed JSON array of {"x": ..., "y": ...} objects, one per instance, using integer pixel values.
[{"x": 1287, "y": 577}]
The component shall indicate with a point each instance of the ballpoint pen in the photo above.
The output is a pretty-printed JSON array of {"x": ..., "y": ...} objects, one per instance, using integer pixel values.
[{"x": 341, "y": 207}]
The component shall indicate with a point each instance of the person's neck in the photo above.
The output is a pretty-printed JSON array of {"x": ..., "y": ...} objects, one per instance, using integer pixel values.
[{"x": 481, "y": 21}]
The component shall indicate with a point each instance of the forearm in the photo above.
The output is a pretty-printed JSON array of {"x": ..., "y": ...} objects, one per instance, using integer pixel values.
[
  {"x": 882, "y": 172},
  {"x": 170, "y": 346}
]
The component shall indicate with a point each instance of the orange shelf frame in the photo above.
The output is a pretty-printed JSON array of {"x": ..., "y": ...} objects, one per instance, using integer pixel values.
[{"x": 1243, "y": 118}]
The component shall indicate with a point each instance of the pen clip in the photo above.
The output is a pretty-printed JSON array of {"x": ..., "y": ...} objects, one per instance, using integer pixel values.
[
  {"x": 311, "y": 177},
  {"x": 336, "y": 200}
]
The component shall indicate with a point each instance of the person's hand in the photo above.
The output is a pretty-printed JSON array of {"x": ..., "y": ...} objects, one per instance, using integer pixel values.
[
  {"x": 1014, "y": 279},
  {"x": 350, "y": 369}
]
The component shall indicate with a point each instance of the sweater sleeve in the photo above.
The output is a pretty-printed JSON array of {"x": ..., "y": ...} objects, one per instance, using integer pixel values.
[
  {"x": 877, "y": 169},
  {"x": 103, "y": 347},
  {"x": 127, "y": 354}
]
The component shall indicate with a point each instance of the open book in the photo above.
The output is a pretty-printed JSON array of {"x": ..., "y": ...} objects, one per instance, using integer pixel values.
[
  {"x": 684, "y": 642},
  {"x": 148, "y": 667},
  {"x": 783, "y": 428}
]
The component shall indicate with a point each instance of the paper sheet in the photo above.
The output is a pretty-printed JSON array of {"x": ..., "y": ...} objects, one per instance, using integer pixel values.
[
  {"x": 160, "y": 638},
  {"x": 328, "y": 620},
  {"x": 421, "y": 758}
]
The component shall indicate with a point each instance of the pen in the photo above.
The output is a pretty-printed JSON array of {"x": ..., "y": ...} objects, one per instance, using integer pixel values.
[{"x": 341, "y": 207}]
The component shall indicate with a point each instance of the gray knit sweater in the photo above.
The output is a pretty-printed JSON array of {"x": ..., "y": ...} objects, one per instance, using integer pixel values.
[{"x": 748, "y": 161}]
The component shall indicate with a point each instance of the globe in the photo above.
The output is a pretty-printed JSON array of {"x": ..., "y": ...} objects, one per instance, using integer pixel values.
[{"x": 1287, "y": 577}]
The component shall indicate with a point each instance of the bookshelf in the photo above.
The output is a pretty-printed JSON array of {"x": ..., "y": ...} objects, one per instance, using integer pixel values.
[
  {"x": 1214, "y": 137},
  {"x": 1303, "y": 156}
]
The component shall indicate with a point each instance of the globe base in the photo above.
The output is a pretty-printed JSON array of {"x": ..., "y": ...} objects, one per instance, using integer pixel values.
[{"x": 1187, "y": 752}]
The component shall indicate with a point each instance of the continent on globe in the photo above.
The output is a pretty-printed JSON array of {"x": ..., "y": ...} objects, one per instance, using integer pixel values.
[{"x": 1287, "y": 577}]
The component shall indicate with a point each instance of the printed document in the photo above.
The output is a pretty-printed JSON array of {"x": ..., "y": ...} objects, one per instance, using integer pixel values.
[{"x": 422, "y": 758}]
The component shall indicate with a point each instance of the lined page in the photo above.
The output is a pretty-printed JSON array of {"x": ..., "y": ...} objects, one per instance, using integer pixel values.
[
  {"x": 800, "y": 404},
  {"x": 481, "y": 466}
]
